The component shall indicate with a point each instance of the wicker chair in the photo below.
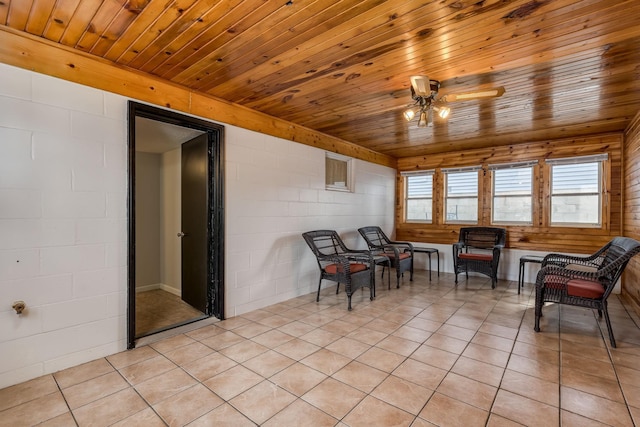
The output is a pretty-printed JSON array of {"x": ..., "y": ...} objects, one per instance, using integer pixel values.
[
  {"x": 354, "y": 268},
  {"x": 478, "y": 249},
  {"x": 584, "y": 281},
  {"x": 399, "y": 254}
]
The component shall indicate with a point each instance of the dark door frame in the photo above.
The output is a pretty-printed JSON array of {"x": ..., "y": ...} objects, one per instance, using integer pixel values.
[{"x": 215, "y": 133}]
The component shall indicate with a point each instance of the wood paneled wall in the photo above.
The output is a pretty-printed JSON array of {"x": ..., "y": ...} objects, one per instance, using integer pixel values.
[
  {"x": 539, "y": 236},
  {"x": 631, "y": 152}
]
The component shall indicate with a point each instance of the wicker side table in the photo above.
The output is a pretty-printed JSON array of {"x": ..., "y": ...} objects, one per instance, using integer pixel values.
[
  {"x": 428, "y": 251},
  {"x": 523, "y": 261}
]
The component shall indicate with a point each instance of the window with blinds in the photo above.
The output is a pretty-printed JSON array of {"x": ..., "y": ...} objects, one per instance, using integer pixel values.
[
  {"x": 419, "y": 197},
  {"x": 461, "y": 195},
  {"x": 512, "y": 194},
  {"x": 576, "y": 188}
]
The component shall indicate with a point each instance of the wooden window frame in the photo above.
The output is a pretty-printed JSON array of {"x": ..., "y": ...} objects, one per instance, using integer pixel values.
[
  {"x": 330, "y": 184},
  {"x": 406, "y": 177}
]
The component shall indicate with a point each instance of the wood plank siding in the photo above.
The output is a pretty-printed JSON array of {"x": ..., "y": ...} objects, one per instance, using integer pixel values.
[
  {"x": 631, "y": 278},
  {"x": 540, "y": 235}
]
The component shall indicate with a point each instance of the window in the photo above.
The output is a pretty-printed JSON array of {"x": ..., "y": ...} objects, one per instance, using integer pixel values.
[
  {"x": 338, "y": 173},
  {"x": 576, "y": 188},
  {"x": 418, "y": 196},
  {"x": 512, "y": 193},
  {"x": 461, "y": 195}
]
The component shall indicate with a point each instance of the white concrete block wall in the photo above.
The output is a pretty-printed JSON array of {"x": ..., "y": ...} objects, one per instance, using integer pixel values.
[
  {"x": 275, "y": 191},
  {"x": 63, "y": 231},
  {"x": 63, "y": 187}
]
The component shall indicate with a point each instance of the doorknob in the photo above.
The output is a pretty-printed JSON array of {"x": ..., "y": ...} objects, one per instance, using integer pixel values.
[{"x": 181, "y": 234}]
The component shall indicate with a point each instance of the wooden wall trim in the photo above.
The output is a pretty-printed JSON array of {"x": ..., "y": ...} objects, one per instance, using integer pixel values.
[
  {"x": 42, "y": 56},
  {"x": 540, "y": 236}
]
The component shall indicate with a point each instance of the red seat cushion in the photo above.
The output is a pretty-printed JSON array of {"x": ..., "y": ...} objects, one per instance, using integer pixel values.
[
  {"x": 585, "y": 288},
  {"x": 476, "y": 257},
  {"x": 353, "y": 267},
  {"x": 554, "y": 281}
]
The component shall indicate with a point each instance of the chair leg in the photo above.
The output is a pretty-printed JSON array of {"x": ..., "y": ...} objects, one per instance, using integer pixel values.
[
  {"x": 411, "y": 271},
  {"x": 338, "y": 288},
  {"x": 539, "y": 304},
  {"x": 398, "y": 278},
  {"x": 319, "y": 284},
  {"x": 606, "y": 318},
  {"x": 349, "y": 298}
]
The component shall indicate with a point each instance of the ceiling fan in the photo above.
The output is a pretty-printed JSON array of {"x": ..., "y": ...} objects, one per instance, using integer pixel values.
[{"x": 424, "y": 92}]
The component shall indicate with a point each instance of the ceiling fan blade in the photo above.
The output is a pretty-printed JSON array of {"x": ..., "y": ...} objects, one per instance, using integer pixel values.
[{"x": 467, "y": 96}]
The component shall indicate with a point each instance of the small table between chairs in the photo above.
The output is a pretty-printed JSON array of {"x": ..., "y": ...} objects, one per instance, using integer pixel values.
[
  {"x": 428, "y": 251},
  {"x": 523, "y": 260},
  {"x": 381, "y": 259}
]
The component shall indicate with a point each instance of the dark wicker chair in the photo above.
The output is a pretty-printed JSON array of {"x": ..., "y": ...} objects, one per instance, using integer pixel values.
[
  {"x": 354, "y": 268},
  {"x": 584, "y": 281},
  {"x": 399, "y": 254},
  {"x": 478, "y": 249}
]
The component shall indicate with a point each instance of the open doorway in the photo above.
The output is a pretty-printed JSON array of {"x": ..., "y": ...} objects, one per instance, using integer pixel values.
[{"x": 175, "y": 221}]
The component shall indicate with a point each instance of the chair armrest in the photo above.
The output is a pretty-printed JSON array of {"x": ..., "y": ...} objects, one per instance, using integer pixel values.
[
  {"x": 363, "y": 256},
  {"x": 563, "y": 260},
  {"x": 397, "y": 248},
  {"x": 457, "y": 249},
  {"x": 407, "y": 244},
  {"x": 496, "y": 250}
]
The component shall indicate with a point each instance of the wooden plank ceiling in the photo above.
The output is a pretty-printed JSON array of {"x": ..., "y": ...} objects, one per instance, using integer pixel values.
[{"x": 342, "y": 67}]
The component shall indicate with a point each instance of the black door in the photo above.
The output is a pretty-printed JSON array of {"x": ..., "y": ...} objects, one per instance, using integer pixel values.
[
  {"x": 202, "y": 215},
  {"x": 195, "y": 202}
]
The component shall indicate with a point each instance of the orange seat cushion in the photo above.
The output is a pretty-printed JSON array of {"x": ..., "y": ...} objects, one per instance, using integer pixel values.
[
  {"x": 353, "y": 267},
  {"x": 585, "y": 288},
  {"x": 476, "y": 257}
]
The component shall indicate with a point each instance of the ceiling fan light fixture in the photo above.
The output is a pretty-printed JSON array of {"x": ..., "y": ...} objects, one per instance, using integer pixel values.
[
  {"x": 443, "y": 112},
  {"x": 409, "y": 114},
  {"x": 421, "y": 85},
  {"x": 423, "y": 121}
]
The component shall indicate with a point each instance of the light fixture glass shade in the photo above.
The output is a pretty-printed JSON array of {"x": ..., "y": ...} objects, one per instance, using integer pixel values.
[
  {"x": 423, "y": 121},
  {"x": 444, "y": 112},
  {"x": 409, "y": 114}
]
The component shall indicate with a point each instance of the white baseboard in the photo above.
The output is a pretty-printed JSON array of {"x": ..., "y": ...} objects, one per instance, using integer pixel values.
[
  {"x": 146, "y": 288},
  {"x": 171, "y": 289},
  {"x": 162, "y": 286}
]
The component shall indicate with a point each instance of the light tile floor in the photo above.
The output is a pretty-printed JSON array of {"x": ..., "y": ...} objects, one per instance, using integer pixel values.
[{"x": 426, "y": 354}]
